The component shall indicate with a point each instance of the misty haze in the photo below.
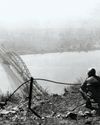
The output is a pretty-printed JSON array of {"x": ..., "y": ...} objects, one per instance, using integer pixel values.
[{"x": 57, "y": 42}]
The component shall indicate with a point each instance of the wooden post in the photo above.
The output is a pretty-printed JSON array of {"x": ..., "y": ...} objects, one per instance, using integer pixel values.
[
  {"x": 30, "y": 93},
  {"x": 30, "y": 98}
]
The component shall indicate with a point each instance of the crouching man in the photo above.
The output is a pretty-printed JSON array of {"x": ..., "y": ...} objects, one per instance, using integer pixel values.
[{"x": 90, "y": 89}]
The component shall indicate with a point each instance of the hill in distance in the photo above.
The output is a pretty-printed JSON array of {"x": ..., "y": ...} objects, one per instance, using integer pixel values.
[{"x": 48, "y": 40}]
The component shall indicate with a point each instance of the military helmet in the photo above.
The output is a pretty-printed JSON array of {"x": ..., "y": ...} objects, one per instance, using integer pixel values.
[{"x": 91, "y": 72}]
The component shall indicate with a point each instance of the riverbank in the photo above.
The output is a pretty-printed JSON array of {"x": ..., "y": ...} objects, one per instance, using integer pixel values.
[{"x": 53, "y": 109}]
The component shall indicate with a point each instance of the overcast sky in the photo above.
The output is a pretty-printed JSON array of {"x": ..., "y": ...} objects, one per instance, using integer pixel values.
[{"x": 48, "y": 13}]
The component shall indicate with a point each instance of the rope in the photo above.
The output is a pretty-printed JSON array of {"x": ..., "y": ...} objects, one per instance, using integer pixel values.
[{"x": 56, "y": 81}]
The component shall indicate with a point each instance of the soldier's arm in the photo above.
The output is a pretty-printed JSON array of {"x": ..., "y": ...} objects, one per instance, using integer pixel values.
[
  {"x": 84, "y": 86},
  {"x": 83, "y": 90}
]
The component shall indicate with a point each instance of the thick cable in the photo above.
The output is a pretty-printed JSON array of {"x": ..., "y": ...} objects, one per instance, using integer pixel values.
[{"x": 56, "y": 82}]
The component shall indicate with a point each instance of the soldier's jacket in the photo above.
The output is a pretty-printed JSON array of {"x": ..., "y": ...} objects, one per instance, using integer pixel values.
[{"x": 92, "y": 85}]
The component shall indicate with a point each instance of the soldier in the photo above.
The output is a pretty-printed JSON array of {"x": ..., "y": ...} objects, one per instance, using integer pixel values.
[{"x": 90, "y": 89}]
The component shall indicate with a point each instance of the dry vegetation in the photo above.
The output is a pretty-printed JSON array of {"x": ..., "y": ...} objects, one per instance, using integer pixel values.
[{"x": 54, "y": 110}]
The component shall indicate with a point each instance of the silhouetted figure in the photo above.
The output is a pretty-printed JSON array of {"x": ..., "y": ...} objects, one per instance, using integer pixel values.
[{"x": 90, "y": 89}]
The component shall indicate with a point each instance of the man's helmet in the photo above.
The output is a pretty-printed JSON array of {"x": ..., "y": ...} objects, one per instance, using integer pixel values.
[{"x": 91, "y": 72}]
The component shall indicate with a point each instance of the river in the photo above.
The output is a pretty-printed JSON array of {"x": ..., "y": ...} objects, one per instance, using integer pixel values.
[{"x": 63, "y": 67}]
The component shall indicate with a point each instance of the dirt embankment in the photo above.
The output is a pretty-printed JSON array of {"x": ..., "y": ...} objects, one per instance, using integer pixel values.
[{"x": 66, "y": 109}]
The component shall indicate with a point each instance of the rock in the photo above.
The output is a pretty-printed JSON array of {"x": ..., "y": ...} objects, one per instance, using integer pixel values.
[
  {"x": 15, "y": 108},
  {"x": 4, "y": 112},
  {"x": 93, "y": 112},
  {"x": 59, "y": 116},
  {"x": 43, "y": 118},
  {"x": 80, "y": 113},
  {"x": 71, "y": 115},
  {"x": 88, "y": 122},
  {"x": 87, "y": 113}
]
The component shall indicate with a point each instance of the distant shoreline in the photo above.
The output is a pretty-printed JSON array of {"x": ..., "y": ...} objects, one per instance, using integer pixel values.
[{"x": 42, "y": 52}]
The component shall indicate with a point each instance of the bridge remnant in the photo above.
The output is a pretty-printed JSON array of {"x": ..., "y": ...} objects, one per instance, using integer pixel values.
[{"x": 15, "y": 62}]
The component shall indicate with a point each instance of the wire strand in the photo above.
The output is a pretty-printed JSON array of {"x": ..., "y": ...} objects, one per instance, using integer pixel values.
[
  {"x": 41, "y": 79},
  {"x": 17, "y": 90},
  {"x": 56, "y": 82}
]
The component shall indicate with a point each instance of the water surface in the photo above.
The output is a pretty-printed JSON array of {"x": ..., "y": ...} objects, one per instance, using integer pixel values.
[{"x": 63, "y": 67}]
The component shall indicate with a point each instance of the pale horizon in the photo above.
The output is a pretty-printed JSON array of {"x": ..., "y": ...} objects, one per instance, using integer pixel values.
[{"x": 16, "y": 14}]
